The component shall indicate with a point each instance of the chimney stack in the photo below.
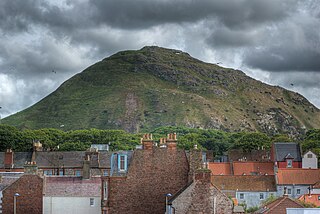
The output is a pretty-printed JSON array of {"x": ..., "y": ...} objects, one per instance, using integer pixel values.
[
  {"x": 86, "y": 168},
  {"x": 171, "y": 141},
  {"x": 31, "y": 168},
  {"x": 147, "y": 142},
  {"x": 8, "y": 159},
  {"x": 203, "y": 175}
]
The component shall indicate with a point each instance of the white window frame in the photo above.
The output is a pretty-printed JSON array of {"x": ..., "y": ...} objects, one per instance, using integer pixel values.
[
  {"x": 124, "y": 161},
  {"x": 241, "y": 196},
  {"x": 92, "y": 202},
  {"x": 298, "y": 192},
  {"x": 261, "y": 194},
  {"x": 289, "y": 163},
  {"x": 289, "y": 193},
  {"x": 105, "y": 190}
]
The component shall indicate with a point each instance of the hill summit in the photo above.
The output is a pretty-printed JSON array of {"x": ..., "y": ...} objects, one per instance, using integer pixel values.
[{"x": 152, "y": 87}]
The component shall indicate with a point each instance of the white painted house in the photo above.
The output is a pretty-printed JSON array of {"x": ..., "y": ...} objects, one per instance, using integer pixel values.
[
  {"x": 72, "y": 195},
  {"x": 310, "y": 161}
]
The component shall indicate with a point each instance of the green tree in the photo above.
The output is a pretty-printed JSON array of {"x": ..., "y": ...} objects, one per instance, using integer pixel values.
[{"x": 253, "y": 140}]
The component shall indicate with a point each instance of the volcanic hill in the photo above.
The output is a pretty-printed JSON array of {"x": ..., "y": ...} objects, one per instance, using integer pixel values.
[{"x": 152, "y": 87}]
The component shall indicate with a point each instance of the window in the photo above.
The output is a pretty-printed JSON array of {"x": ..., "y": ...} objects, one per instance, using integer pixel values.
[
  {"x": 122, "y": 162},
  {"x": 105, "y": 190},
  {"x": 78, "y": 173},
  {"x": 61, "y": 172},
  {"x": 261, "y": 196},
  {"x": 91, "y": 202},
  {"x": 298, "y": 192},
  {"x": 319, "y": 197},
  {"x": 241, "y": 196},
  {"x": 309, "y": 155},
  {"x": 47, "y": 172},
  {"x": 289, "y": 191},
  {"x": 105, "y": 172},
  {"x": 289, "y": 163}
]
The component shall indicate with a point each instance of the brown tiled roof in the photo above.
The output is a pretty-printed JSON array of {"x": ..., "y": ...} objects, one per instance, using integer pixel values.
[
  {"x": 220, "y": 168},
  {"x": 245, "y": 182},
  {"x": 262, "y": 168},
  {"x": 316, "y": 185},
  {"x": 279, "y": 206},
  {"x": 311, "y": 199},
  {"x": 72, "y": 187},
  {"x": 298, "y": 176}
]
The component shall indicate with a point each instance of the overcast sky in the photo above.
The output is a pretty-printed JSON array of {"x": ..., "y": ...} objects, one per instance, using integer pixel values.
[{"x": 43, "y": 43}]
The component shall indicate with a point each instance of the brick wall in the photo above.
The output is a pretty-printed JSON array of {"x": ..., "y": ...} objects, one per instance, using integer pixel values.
[
  {"x": 152, "y": 174},
  {"x": 30, "y": 200}
]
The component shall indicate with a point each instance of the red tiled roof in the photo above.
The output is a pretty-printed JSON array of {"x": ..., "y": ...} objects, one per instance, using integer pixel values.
[
  {"x": 262, "y": 168},
  {"x": 279, "y": 206},
  {"x": 245, "y": 182},
  {"x": 220, "y": 168},
  {"x": 312, "y": 199},
  {"x": 298, "y": 176},
  {"x": 316, "y": 185}
]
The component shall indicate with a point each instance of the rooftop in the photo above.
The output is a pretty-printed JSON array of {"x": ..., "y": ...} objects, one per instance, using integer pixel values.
[
  {"x": 289, "y": 150},
  {"x": 298, "y": 176},
  {"x": 250, "y": 183}
]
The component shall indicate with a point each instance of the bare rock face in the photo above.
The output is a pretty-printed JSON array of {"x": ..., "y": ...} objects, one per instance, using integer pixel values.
[{"x": 140, "y": 90}]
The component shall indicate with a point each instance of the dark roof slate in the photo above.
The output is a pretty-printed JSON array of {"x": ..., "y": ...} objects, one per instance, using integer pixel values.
[
  {"x": 60, "y": 159},
  {"x": 282, "y": 150}
]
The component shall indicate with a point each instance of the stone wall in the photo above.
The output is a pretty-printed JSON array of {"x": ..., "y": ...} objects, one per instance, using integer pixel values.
[
  {"x": 152, "y": 174},
  {"x": 30, "y": 200},
  {"x": 201, "y": 197}
]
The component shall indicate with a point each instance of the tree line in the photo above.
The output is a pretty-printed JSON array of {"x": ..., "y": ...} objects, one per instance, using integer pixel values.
[{"x": 207, "y": 139}]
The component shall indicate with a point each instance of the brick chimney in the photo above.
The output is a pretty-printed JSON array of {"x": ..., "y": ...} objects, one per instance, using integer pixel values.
[
  {"x": 86, "y": 168},
  {"x": 203, "y": 175},
  {"x": 31, "y": 168},
  {"x": 147, "y": 142},
  {"x": 8, "y": 159},
  {"x": 171, "y": 141}
]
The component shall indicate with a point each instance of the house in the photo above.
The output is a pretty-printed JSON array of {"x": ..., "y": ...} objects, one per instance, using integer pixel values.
[
  {"x": 26, "y": 191},
  {"x": 150, "y": 174},
  {"x": 71, "y": 194},
  {"x": 62, "y": 163},
  {"x": 286, "y": 155},
  {"x": 310, "y": 199},
  {"x": 310, "y": 160},
  {"x": 6, "y": 179},
  {"x": 11, "y": 161},
  {"x": 200, "y": 196},
  {"x": 251, "y": 190},
  {"x": 297, "y": 181},
  {"x": 279, "y": 206},
  {"x": 302, "y": 210}
]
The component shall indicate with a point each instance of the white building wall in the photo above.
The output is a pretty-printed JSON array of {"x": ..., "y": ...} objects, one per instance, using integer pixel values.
[
  {"x": 294, "y": 190},
  {"x": 302, "y": 210},
  {"x": 309, "y": 163},
  {"x": 77, "y": 205},
  {"x": 252, "y": 199}
]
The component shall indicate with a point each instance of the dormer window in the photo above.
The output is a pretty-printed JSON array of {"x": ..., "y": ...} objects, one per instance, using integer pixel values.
[
  {"x": 122, "y": 162},
  {"x": 289, "y": 163},
  {"x": 309, "y": 155}
]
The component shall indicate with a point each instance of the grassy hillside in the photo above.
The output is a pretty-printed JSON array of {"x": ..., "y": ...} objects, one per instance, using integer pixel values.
[{"x": 152, "y": 87}]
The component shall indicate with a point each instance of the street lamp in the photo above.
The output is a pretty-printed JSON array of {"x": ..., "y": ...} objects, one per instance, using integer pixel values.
[
  {"x": 167, "y": 195},
  {"x": 15, "y": 202}
]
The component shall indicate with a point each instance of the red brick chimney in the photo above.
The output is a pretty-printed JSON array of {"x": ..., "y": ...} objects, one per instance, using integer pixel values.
[
  {"x": 8, "y": 159},
  {"x": 147, "y": 141},
  {"x": 171, "y": 141}
]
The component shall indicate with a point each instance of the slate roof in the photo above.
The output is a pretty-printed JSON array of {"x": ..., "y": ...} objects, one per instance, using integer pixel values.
[
  {"x": 8, "y": 178},
  {"x": 19, "y": 159},
  {"x": 298, "y": 176},
  {"x": 281, "y": 150},
  {"x": 72, "y": 187},
  {"x": 249, "y": 183},
  {"x": 105, "y": 158},
  {"x": 279, "y": 206},
  {"x": 58, "y": 159}
]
